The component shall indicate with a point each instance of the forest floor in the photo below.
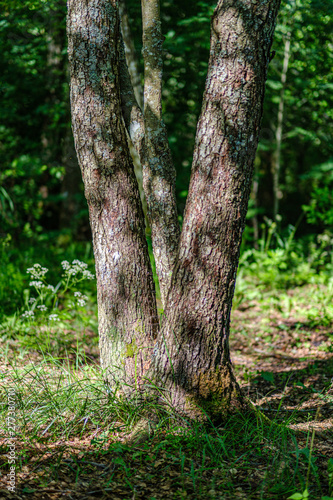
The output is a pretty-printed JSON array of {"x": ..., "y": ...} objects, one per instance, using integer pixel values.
[{"x": 283, "y": 359}]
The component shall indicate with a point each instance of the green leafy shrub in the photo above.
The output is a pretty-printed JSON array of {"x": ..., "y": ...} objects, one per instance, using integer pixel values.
[{"x": 281, "y": 261}]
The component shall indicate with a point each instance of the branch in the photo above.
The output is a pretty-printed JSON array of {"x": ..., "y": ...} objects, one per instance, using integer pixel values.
[{"x": 158, "y": 171}]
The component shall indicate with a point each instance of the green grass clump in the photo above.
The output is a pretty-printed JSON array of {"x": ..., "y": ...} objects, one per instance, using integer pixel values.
[
  {"x": 71, "y": 427},
  {"x": 58, "y": 404}
]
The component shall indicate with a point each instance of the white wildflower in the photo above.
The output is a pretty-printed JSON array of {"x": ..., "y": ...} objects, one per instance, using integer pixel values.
[
  {"x": 28, "y": 314},
  {"x": 88, "y": 275},
  {"x": 53, "y": 317},
  {"x": 73, "y": 271},
  {"x": 51, "y": 287},
  {"x": 37, "y": 271},
  {"x": 75, "y": 268},
  {"x": 37, "y": 284},
  {"x": 42, "y": 307},
  {"x": 81, "y": 299},
  {"x": 32, "y": 300},
  {"x": 80, "y": 264}
]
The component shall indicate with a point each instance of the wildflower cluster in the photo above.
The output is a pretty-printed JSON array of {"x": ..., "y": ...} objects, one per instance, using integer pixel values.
[
  {"x": 75, "y": 268},
  {"x": 37, "y": 271},
  {"x": 49, "y": 296},
  {"x": 28, "y": 314},
  {"x": 80, "y": 299},
  {"x": 53, "y": 317},
  {"x": 37, "y": 284}
]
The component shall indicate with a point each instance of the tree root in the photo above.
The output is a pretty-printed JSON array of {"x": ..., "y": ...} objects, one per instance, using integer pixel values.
[
  {"x": 271, "y": 422},
  {"x": 142, "y": 431}
]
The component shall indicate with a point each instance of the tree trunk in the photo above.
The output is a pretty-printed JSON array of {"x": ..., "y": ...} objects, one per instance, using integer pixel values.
[
  {"x": 190, "y": 356},
  {"x": 128, "y": 321},
  {"x": 135, "y": 79},
  {"x": 148, "y": 134},
  {"x": 159, "y": 174},
  {"x": 193, "y": 359},
  {"x": 276, "y": 164}
]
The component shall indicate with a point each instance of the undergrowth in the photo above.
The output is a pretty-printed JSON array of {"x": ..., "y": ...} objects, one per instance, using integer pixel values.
[
  {"x": 72, "y": 428},
  {"x": 58, "y": 404}
]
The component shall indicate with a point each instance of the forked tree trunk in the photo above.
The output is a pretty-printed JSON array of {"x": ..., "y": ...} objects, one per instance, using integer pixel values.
[
  {"x": 128, "y": 321},
  {"x": 191, "y": 353}
]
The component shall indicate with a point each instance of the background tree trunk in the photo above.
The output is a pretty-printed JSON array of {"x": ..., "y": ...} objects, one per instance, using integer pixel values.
[
  {"x": 135, "y": 77},
  {"x": 193, "y": 359},
  {"x": 70, "y": 187},
  {"x": 159, "y": 175},
  {"x": 276, "y": 163},
  {"x": 130, "y": 53},
  {"x": 128, "y": 321}
]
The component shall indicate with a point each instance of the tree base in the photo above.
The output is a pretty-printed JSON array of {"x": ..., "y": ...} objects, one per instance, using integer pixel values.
[{"x": 213, "y": 396}]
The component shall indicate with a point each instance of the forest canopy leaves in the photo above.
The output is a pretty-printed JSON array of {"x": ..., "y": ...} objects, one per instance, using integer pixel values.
[{"x": 34, "y": 99}]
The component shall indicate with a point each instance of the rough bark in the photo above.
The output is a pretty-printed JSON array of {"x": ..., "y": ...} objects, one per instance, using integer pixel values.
[
  {"x": 192, "y": 360},
  {"x": 158, "y": 170},
  {"x": 190, "y": 357},
  {"x": 149, "y": 137},
  {"x": 128, "y": 321}
]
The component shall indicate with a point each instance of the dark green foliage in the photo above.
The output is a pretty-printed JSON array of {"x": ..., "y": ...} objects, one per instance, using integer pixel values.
[
  {"x": 35, "y": 111},
  {"x": 308, "y": 117},
  {"x": 320, "y": 209}
]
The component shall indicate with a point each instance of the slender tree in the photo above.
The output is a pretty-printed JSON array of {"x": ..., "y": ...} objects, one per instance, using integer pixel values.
[
  {"x": 132, "y": 65},
  {"x": 189, "y": 352},
  {"x": 276, "y": 163}
]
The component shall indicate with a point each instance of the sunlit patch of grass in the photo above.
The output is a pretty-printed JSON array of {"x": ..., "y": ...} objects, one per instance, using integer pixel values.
[
  {"x": 71, "y": 427},
  {"x": 58, "y": 404}
]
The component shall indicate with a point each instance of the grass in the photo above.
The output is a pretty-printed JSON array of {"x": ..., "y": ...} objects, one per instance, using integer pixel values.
[
  {"x": 69, "y": 427},
  {"x": 73, "y": 433},
  {"x": 58, "y": 404}
]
